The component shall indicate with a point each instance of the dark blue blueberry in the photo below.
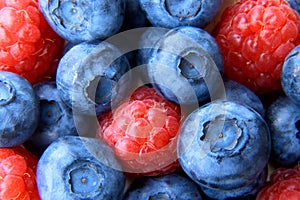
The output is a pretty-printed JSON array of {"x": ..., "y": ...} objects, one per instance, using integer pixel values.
[
  {"x": 290, "y": 75},
  {"x": 185, "y": 66},
  {"x": 225, "y": 147},
  {"x": 55, "y": 120},
  {"x": 295, "y": 4},
  {"x": 79, "y": 168},
  {"x": 240, "y": 93},
  {"x": 174, "y": 13},
  {"x": 134, "y": 17},
  {"x": 19, "y": 109},
  {"x": 88, "y": 77},
  {"x": 167, "y": 187},
  {"x": 283, "y": 118},
  {"x": 84, "y": 20}
]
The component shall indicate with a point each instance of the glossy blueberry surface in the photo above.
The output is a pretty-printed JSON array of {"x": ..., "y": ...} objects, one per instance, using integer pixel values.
[
  {"x": 19, "y": 109},
  {"x": 88, "y": 77},
  {"x": 217, "y": 145},
  {"x": 74, "y": 167},
  {"x": 168, "y": 187},
  {"x": 186, "y": 60},
  {"x": 174, "y": 13},
  {"x": 240, "y": 93},
  {"x": 283, "y": 118},
  {"x": 290, "y": 75},
  {"x": 55, "y": 119},
  {"x": 84, "y": 20}
]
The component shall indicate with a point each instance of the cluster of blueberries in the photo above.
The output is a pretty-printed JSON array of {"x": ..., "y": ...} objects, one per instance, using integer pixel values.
[{"x": 224, "y": 144}]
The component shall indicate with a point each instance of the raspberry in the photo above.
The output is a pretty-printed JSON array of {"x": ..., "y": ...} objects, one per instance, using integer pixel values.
[
  {"x": 284, "y": 184},
  {"x": 28, "y": 46},
  {"x": 143, "y": 133},
  {"x": 17, "y": 172},
  {"x": 254, "y": 37}
]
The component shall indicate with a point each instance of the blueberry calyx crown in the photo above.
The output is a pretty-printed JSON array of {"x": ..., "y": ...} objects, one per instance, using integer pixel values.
[
  {"x": 185, "y": 9},
  {"x": 193, "y": 66},
  {"x": 50, "y": 113},
  {"x": 71, "y": 11},
  {"x": 160, "y": 196},
  {"x": 101, "y": 90},
  {"x": 223, "y": 136},
  {"x": 7, "y": 92},
  {"x": 85, "y": 178}
]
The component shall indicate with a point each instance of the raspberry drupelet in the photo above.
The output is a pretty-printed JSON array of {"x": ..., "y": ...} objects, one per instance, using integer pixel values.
[
  {"x": 143, "y": 133},
  {"x": 17, "y": 174},
  {"x": 255, "y": 36},
  {"x": 28, "y": 46}
]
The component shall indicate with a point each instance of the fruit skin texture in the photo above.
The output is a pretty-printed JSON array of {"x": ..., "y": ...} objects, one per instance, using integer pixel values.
[
  {"x": 255, "y": 37},
  {"x": 284, "y": 184},
  {"x": 88, "y": 77},
  {"x": 241, "y": 94},
  {"x": 194, "y": 62},
  {"x": 290, "y": 76},
  {"x": 217, "y": 145},
  {"x": 143, "y": 133},
  {"x": 18, "y": 176},
  {"x": 79, "y": 168},
  {"x": 170, "y": 186},
  {"x": 84, "y": 20},
  {"x": 174, "y": 13},
  {"x": 19, "y": 109},
  {"x": 55, "y": 118},
  {"x": 283, "y": 118},
  {"x": 28, "y": 45}
]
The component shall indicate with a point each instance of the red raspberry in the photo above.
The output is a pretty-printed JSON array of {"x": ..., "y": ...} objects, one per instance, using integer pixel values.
[
  {"x": 143, "y": 133},
  {"x": 17, "y": 174},
  {"x": 284, "y": 184},
  {"x": 29, "y": 46},
  {"x": 254, "y": 37}
]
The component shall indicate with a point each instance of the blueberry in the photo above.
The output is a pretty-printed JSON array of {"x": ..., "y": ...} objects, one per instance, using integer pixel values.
[
  {"x": 148, "y": 39},
  {"x": 19, "y": 109},
  {"x": 134, "y": 17},
  {"x": 295, "y": 4},
  {"x": 82, "y": 20},
  {"x": 290, "y": 75},
  {"x": 217, "y": 145},
  {"x": 88, "y": 77},
  {"x": 174, "y": 13},
  {"x": 240, "y": 93},
  {"x": 283, "y": 118},
  {"x": 74, "y": 167},
  {"x": 55, "y": 120},
  {"x": 168, "y": 187},
  {"x": 186, "y": 60}
]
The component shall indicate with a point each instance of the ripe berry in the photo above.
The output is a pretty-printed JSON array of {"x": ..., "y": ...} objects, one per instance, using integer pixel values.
[
  {"x": 143, "y": 133},
  {"x": 17, "y": 171},
  {"x": 284, "y": 184},
  {"x": 254, "y": 37},
  {"x": 28, "y": 45}
]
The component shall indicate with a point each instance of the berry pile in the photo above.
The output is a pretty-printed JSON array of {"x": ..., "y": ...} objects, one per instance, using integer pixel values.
[{"x": 149, "y": 99}]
